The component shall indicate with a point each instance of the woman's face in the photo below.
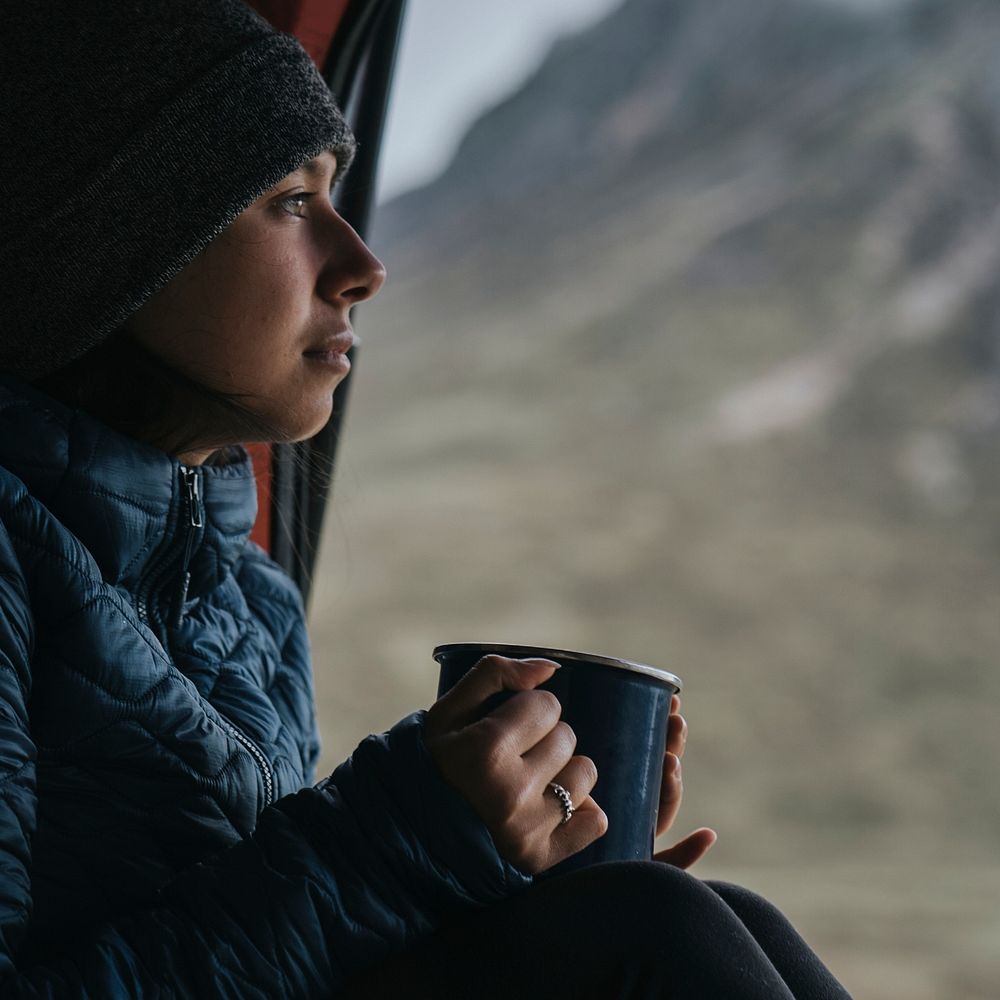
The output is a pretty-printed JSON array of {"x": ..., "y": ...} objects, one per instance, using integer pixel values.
[{"x": 261, "y": 314}]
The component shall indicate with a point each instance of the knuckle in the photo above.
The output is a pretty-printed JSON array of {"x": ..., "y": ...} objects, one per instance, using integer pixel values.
[
  {"x": 594, "y": 823},
  {"x": 490, "y": 732},
  {"x": 567, "y": 735},
  {"x": 509, "y": 804},
  {"x": 493, "y": 742},
  {"x": 549, "y": 703},
  {"x": 491, "y": 662},
  {"x": 512, "y": 821},
  {"x": 528, "y": 861},
  {"x": 600, "y": 822},
  {"x": 588, "y": 770},
  {"x": 495, "y": 763},
  {"x": 522, "y": 707},
  {"x": 518, "y": 799}
]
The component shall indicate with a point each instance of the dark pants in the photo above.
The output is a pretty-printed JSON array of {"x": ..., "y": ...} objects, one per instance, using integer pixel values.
[{"x": 635, "y": 930}]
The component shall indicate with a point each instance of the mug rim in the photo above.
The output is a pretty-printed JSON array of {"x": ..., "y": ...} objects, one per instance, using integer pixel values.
[{"x": 516, "y": 651}]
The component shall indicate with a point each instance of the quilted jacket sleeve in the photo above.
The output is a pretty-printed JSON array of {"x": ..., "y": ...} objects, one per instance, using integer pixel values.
[{"x": 333, "y": 878}]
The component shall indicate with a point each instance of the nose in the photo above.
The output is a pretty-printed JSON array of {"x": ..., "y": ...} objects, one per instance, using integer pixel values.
[{"x": 352, "y": 273}]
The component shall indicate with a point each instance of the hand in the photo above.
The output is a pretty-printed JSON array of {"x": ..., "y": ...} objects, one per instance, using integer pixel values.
[
  {"x": 695, "y": 845},
  {"x": 502, "y": 762}
]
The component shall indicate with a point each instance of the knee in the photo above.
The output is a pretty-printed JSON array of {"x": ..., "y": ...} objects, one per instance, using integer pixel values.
[
  {"x": 748, "y": 905},
  {"x": 738, "y": 894},
  {"x": 644, "y": 877},
  {"x": 646, "y": 893},
  {"x": 656, "y": 910}
]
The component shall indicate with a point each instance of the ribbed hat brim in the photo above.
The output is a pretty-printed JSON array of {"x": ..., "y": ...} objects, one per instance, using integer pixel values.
[{"x": 75, "y": 276}]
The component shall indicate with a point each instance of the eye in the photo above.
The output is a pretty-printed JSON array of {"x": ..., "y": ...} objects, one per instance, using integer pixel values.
[{"x": 295, "y": 204}]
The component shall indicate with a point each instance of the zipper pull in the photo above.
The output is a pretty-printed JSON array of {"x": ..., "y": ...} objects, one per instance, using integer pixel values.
[
  {"x": 192, "y": 483},
  {"x": 196, "y": 519}
]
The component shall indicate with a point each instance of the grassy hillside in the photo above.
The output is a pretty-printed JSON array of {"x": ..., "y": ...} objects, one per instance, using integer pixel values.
[{"x": 728, "y": 403}]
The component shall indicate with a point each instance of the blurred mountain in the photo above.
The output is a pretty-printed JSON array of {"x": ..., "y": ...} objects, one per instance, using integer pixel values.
[
  {"x": 693, "y": 355},
  {"x": 664, "y": 85},
  {"x": 641, "y": 93}
]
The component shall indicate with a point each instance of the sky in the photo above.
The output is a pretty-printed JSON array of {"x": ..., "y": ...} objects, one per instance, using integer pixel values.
[{"x": 457, "y": 58}]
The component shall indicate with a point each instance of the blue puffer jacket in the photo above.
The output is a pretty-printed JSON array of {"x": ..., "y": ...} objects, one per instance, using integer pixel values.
[{"x": 158, "y": 837}]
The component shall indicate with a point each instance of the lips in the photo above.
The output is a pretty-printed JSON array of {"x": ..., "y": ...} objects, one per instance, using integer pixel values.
[
  {"x": 329, "y": 355},
  {"x": 333, "y": 344}
]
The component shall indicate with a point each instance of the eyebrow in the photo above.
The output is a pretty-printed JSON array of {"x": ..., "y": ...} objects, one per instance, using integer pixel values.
[{"x": 314, "y": 168}]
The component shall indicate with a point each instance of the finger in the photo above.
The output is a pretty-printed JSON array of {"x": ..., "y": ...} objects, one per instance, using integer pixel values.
[
  {"x": 671, "y": 793},
  {"x": 520, "y": 724},
  {"x": 690, "y": 850},
  {"x": 588, "y": 823},
  {"x": 459, "y": 706},
  {"x": 578, "y": 777},
  {"x": 550, "y": 754},
  {"x": 676, "y": 734},
  {"x": 675, "y": 704}
]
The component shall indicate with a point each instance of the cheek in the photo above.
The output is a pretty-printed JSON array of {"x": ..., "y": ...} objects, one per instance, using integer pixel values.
[
  {"x": 266, "y": 302},
  {"x": 249, "y": 320},
  {"x": 237, "y": 316}
]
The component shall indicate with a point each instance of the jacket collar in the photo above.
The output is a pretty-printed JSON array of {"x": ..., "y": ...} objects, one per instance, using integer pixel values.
[{"x": 125, "y": 501}]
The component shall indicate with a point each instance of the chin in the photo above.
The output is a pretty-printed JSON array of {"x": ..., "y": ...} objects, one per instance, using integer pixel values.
[{"x": 310, "y": 426}]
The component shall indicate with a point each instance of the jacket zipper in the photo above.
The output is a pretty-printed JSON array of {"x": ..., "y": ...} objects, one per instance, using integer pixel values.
[
  {"x": 196, "y": 520},
  {"x": 191, "y": 485},
  {"x": 144, "y": 593},
  {"x": 258, "y": 757}
]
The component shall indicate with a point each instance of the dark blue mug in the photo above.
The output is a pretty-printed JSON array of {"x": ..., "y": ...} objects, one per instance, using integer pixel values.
[{"x": 618, "y": 710}]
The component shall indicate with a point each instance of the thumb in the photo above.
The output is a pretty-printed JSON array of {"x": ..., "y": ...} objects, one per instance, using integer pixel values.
[
  {"x": 462, "y": 704},
  {"x": 689, "y": 850}
]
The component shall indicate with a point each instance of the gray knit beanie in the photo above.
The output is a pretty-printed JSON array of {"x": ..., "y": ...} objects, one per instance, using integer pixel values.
[{"x": 131, "y": 134}]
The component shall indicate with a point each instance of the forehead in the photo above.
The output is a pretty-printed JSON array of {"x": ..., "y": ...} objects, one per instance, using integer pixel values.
[
  {"x": 314, "y": 171},
  {"x": 319, "y": 166}
]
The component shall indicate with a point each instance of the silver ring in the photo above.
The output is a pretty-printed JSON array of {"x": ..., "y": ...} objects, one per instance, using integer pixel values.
[{"x": 565, "y": 799}]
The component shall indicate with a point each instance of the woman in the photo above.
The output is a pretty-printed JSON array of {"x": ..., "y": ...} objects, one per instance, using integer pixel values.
[{"x": 176, "y": 281}]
